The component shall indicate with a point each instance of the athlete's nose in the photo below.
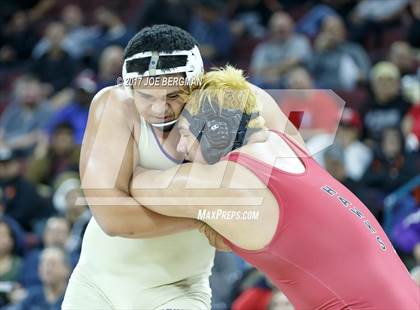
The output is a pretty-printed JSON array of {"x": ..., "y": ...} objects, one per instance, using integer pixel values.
[{"x": 159, "y": 107}]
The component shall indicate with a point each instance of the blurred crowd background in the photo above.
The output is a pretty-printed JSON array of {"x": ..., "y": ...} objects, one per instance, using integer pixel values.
[{"x": 55, "y": 55}]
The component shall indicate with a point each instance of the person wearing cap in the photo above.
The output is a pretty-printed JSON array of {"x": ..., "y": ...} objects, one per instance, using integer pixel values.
[
  {"x": 387, "y": 107},
  {"x": 132, "y": 257}
]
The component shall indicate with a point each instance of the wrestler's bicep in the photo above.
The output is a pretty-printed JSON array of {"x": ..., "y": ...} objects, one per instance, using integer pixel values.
[
  {"x": 250, "y": 216},
  {"x": 106, "y": 156}
]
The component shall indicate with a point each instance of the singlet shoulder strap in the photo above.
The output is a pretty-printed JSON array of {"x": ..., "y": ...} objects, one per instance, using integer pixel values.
[{"x": 295, "y": 147}]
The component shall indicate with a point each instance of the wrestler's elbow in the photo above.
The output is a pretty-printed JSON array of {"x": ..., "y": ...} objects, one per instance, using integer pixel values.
[{"x": 114, "y": 228}]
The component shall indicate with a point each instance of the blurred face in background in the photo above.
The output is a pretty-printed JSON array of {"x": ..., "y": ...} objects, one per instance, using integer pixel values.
[
  {"x": 105, "y": 18},
  {"x": 53, "y": 269},
  {"x": 72, "y": 16},
  {"x": 55, "y": 34},
  {"x": 73, "y": 210},
  {"x": 56, "y": 232},
  {"x": 62, "y": 141},
  {"x": 415, "y": 8},
  {"x": 346, "y": 135},
  {"x": 281, "y": 27},
  {"x": 28, "y": 92},
  {"x": 83, "y": 97},
  {"x": 156, "y": 103},
  {"x": 333, "y": 29},
  {"x": 402, "y": 56},
  {"x": 385, "y": 88},
  {"x": 207, "y": 13},
  {"x": 391, "y": 142},
  {"x": 6, "y": 240},
  {"x": 9, "y": 170},
  {"x": 19, "y": 22},
  {"x": 299, "y": 78},
  {"x": 110, "y": 63}
]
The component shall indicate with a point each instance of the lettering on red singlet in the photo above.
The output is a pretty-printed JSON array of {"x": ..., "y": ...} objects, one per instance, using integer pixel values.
[{"x": 346, "y": 203}]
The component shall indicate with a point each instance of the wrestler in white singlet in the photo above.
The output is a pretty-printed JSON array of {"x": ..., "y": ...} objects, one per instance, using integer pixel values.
[{"x": 169, "y": 272}]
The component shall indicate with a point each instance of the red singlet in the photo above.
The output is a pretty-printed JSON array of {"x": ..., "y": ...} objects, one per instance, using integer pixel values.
[{"x": 329, "y": 251}]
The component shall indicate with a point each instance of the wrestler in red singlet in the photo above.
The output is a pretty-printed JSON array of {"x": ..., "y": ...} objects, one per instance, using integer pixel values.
[{"x": 329, "y": 251}]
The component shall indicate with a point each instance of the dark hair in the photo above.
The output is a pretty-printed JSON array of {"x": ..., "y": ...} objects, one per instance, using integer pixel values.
[
  {"x": 159, "y": 38},
  {"x": 64, "y": 126}
]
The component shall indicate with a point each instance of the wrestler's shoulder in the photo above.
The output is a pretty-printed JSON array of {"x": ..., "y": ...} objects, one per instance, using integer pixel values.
[
  {"x": 116, "y": 94},
  {"x": 115, "y": 97}
]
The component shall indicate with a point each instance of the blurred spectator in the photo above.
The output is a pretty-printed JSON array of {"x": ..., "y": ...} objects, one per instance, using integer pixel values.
[
  {"x": 18, "y": 40},
  {"x": 225, "y": 273},
  {"x": 255, "y": 298},
  {"x": 387, "y": 107},
  {"x": 356, "y": 156},
  {"x": 55, "y": 67},
  {"x": 406, "y": 235},
  {"x": 54, "y": 270},
  {"x": 66, "y": 194},
  {"x": 411, "y": 121},
  {"x": 210, "y": 27},
  {"x": 23, "y": 122},
  {"x": 62, "y": 155},
  {"x": 379, "y": 11},
  {"x": 311, "y": 23},
  {"x": 56, "y": 234},
  {"x": 253, "y": 291},
  {"x": 373, "y": 17},
  {"x": 112, "y": 31},
  {"x": 76, "y": 112},
  {"x": 283, "y": 50},
  {"x": 338, "y": 63},
  {"x": 110, "y": 64},
  {"x": 19, "y": 198},
  {"x": 77, "y": 40},
  {"x": 249, "y": 17},
  {"x": 311, "y": 111},
  {"x": 391, "y": 167},
  {"x": 172, "y": 12},
  {"x": 10, "y": 263},
  {"x": 413, "y": 33},
  {"x": 401, "y": 54}
]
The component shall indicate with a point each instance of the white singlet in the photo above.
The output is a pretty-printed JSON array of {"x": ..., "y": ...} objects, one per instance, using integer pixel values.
[{"x": 169, "y": 272}]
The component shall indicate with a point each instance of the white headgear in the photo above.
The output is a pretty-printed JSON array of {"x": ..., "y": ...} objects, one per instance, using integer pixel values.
[{"x": 193, "y": 68}]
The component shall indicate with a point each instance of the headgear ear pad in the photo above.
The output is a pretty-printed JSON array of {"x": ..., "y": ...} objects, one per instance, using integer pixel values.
[{"x": 219, "y": 130}]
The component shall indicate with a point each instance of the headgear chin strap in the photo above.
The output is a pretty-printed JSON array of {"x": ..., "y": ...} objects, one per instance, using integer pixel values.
[
  {"x": 167, "y": 126},
  {"x": 219, "y": 131},
  {"x": 193, "y": 68}
]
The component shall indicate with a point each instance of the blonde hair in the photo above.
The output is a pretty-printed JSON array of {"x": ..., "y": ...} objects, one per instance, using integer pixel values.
[{"x": 228, "y": 88}]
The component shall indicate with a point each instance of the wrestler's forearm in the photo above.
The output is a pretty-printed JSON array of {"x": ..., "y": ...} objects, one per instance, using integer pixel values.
[
  {"x": 163, "y": 191},
  {"x": 120, "y": 215}
]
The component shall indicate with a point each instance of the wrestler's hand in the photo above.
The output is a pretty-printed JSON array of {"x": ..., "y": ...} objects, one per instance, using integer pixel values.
[{"x": 215, "y": 239}]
